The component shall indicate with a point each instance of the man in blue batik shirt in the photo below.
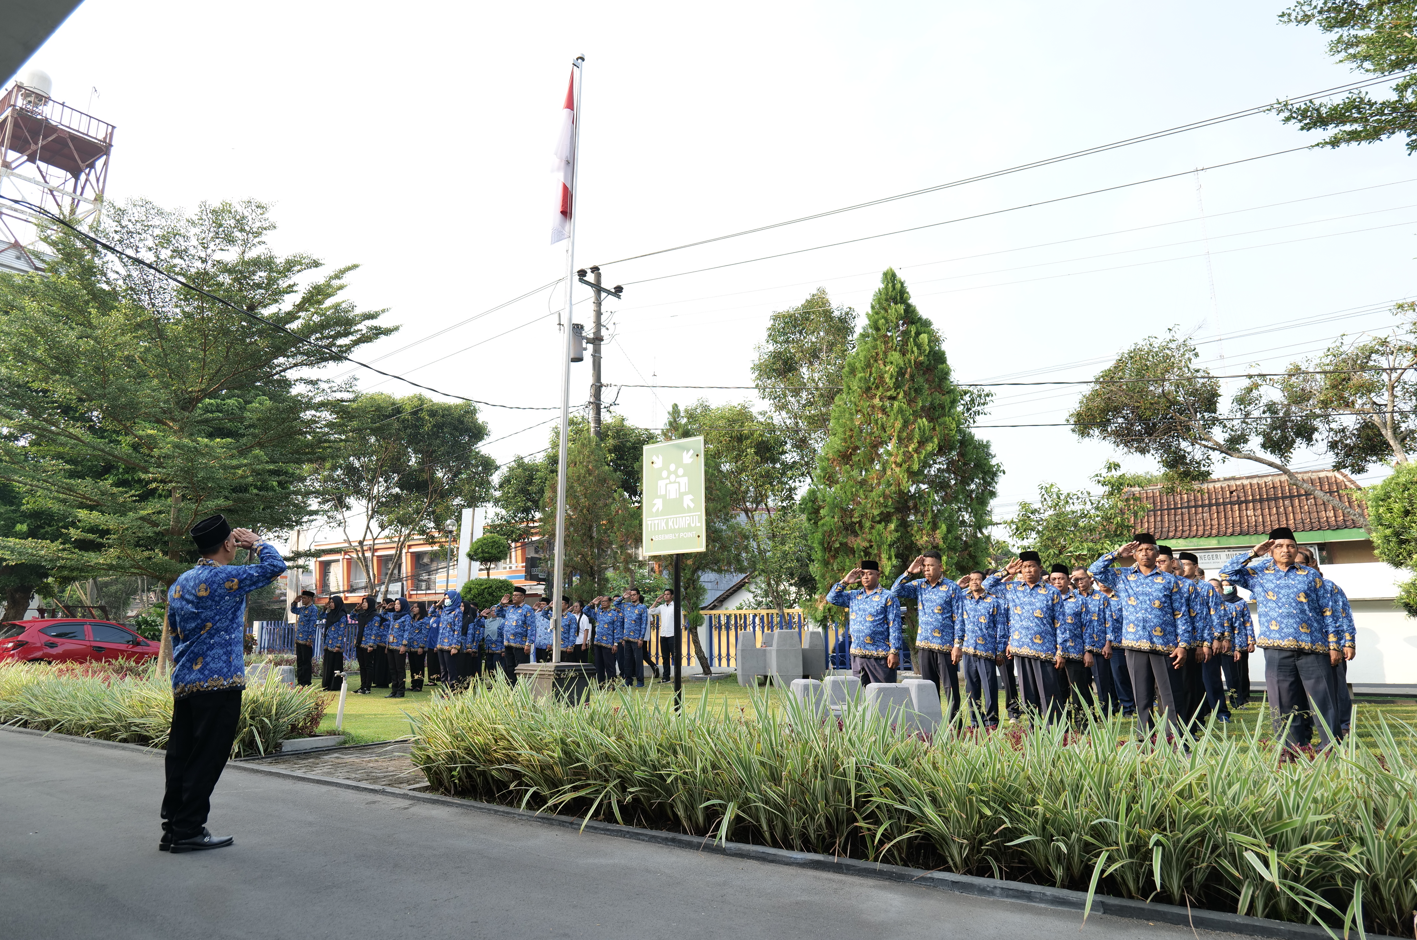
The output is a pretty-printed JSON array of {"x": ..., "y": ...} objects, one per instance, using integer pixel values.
[
  {"x": 939, "y": 643},
  {"x": 1299, "y": 630},
  {"x": 1344, "y": 610},
  {"x": 307, "y": 617},
  {"x": 1032, "y": 608},
  {"x": 206, "y": 616},
  {"x": 1096, "y": 616},
  {"x": 518, "y": 631},
  {"x": 634, "y": 632},
  {"x": 986, "y": 636},
  {"x": 1076, "y": 674},
  {"x": 875, "y": 625},
  {"x": 1156, "y": 627}
]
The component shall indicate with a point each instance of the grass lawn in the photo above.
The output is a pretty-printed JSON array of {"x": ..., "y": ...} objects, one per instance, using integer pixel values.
[{"x": 369, "y": 718}]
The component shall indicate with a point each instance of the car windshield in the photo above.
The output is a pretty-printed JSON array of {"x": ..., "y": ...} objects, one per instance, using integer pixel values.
[{"x": 11, "y": 630}]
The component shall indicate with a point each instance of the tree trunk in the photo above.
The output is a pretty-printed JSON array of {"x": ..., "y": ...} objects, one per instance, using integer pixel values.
[
  {"x": 699, "y": 653},
  {"x": 17, "y": 601}
]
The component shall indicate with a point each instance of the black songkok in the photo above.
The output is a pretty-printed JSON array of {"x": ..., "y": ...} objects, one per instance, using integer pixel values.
[
  {"x": 1283, "y": 532},
  {"x": 1060, "y": 569},
  {"x": 1144, "y": 538},
  {"x": 1030, "y": 556},
  {"x": 210, "y": 533},
  {"x": 1187, "y": 556},
  {"x": 1163, "y": 550},
  {"x": 870, "y": 566}
]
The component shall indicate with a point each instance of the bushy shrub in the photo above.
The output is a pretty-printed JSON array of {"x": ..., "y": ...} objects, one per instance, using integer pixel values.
[
  {"x": 135, "y": 705},
  {"x": 486, "y": 592},
  {"x": 1226, "y": 825}
]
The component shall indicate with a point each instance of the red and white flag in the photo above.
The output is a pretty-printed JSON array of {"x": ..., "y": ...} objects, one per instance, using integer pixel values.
[{"x": 564, "y": 164}]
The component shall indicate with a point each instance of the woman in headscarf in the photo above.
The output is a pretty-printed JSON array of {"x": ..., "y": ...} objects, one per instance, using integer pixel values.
[
  {"x": 470, "y": 659},
  {"x": 397, "y": 643},
  {"x": 415, "y": 642},
  {"x": 450, "y": 639},
  {"x": 335, "y": 614},
  {"x": 367, "y": 618}
]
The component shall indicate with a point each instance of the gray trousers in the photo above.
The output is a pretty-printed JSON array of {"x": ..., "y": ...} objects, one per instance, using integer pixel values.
[
  {"x": 936, "y": 666},
  {"x": 1042, "y": 687},
  {"x": 1301, "y": 685},
  {"x": 1152, "y": 678},
  {"x": 870, "y": 669}
]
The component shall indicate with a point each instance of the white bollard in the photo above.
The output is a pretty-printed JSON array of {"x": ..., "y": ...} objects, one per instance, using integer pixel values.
[{"x": 343, "y": 691}]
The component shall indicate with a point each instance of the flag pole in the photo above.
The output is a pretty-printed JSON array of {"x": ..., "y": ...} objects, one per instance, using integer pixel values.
[{"x": 558, "y": 579}]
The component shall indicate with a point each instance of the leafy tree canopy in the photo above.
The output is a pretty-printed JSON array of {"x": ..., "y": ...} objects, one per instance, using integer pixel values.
[
  {"x": 488, "y": 550},
  {"x": 1078, "y": 527}
]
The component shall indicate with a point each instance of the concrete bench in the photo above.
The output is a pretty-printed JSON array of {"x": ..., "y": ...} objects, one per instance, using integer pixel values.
[
  {"x": 811, "y": 695},
  {"x": 783, "y": 657},
  {"x": 751, "y": 660}
]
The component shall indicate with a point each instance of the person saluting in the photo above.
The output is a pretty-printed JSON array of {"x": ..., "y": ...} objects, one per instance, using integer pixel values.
[
  {"x": 206, "y": 615},
  {"x": 875, "y": 625}
]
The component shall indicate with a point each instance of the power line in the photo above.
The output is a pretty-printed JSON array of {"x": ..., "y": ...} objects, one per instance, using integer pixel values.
[
  {"x": 1048, "y": 161},
  {"x": 963, "y": 218},
  {"x": 329, "y": 350}
]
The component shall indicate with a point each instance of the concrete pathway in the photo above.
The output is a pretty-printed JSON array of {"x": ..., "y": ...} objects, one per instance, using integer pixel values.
[{"x": 79, "y": 859}]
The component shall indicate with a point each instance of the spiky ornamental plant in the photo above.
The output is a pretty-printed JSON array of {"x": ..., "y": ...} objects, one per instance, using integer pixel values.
[{"x": 901, "y": 471}]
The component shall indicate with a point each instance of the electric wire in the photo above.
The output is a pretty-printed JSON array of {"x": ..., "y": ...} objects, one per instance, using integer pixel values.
[{"x": 1048, "y": 161}]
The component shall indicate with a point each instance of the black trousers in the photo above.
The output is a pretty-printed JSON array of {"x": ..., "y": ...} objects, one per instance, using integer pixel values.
[
  {"x": 380, "y": 666},
  {"x": 1122, "y": 680},
  {"x": 334, "y": 662},
  {"x": 198, "y": 745},
  {"x": 304, "y": 660},
  {"x": 870, "y": 669},
  {"x": 1194, "y": 707},
  {"x": 468, "y": 665},
  {"x": 1345, "y": 695},
  {"x": 398, "y": 663},
  {"x": 1152, "y": 677},
  {"x": 366, "y": 669},
  {"x": 415, "y": 668},
  {"x": 632, "y": 665},
  {"x": 1041, "y": 686},
  {"x": 938, "y": 667},
  {"x": 448, "y": 667},
  {"x": 1079, "y": 686},
  {"x": 512, "y": 657},
  {"x": 1107, "y": 698},
  {"x": 981, "y": 684},
  {"x": 668, "y": 653},
  {"x": 1237, "y": 679},
  {"x": 1212, "y": 673},
  {"x": 605, "y": 662},
  {"x": 1301, "y": 685},
  {"x": 491, "y": 663},
  {"x": 1008, "y": 683}
]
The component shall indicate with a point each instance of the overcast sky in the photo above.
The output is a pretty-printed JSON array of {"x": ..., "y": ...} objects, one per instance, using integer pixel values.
[{"x": 416, "y": 142}]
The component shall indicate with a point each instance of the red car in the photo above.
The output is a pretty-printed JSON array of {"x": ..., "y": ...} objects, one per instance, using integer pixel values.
[{"x": 67, "y": 641}]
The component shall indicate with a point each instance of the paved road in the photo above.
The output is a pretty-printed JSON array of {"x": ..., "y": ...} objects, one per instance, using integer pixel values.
[{"x": 79, "y": 859}]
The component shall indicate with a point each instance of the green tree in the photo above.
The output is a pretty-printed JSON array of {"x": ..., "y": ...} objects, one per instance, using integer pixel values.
[
  {"x": 520, "y": 491},
  {"x": 798, "y": 373},
  {"x": 1376, "y": 37},
  {"x": 26, "y": 520},
  {"x": 1392, "y": 509},
  {"x": 400, "y": 468},
  {"x": 602, "y": 525},
  {"x": 901, "y": 470},
  {"x": 1155, "y": 400},
  {"x": 133, "y": 407},
  {"x": 488, "y": 550},
  {"x": 1078, "y": 527},
  {"x": 483, "y": 593}
]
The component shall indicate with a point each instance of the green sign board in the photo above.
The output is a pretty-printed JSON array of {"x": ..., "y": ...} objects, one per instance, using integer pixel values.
[{"x": 674, "y": 497}]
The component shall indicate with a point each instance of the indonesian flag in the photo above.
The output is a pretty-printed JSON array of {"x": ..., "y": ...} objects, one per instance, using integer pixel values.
[{"x": 564, "y": 164}]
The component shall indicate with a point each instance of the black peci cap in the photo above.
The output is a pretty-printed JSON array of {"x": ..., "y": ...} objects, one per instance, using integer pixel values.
[
  {"x": 1144, "y": 538},
  {"x": 1283, "y": 532},
  {"x": 1060, "y": 569},
  {"x": 1187, "y": 556},
  {"x": 1163, "y": 550},
  {"x": 870, "y": 566},
  {"x": 210, "y": 533},
  {"x": 1030, "y": 556}
]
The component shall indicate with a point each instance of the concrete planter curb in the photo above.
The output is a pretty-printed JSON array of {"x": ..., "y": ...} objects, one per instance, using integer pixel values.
[{"x": 1022, "y": 892}]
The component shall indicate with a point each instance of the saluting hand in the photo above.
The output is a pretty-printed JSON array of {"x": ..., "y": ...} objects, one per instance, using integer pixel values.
[
  {"x": 1127, "y": 549},
  {"x": 1262, "y": 549},
  {"x": 1014, "y": 567},
  {"x": 852, "y": 576},
  {"x": 245, "y": 538},
  {"x": 918, "y": 565}
]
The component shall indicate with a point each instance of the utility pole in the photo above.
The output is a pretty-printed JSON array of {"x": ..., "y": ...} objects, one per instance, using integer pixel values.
[{"x": 595, "y": 340}]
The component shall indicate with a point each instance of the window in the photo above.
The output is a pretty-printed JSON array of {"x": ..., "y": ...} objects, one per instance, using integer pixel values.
[
  {"x": 383, "y": 563},
  {"x": 108, "y": 633},
  {"x": 358, "y": 580},
  {"x": 64, "y": 631},
  {"x": 432, "y": 570},
  {"x": 9, "y": 631},
  {"x": 329, "y": 577}
]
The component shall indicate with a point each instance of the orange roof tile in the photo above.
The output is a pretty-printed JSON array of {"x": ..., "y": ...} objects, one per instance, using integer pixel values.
[{"x": 1247, "y": 505}]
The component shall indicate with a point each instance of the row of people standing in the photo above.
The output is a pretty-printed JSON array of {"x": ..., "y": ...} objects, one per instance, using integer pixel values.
[
  {"x": 398, "y": 640},
  {"x": 1154, "y": 631}
]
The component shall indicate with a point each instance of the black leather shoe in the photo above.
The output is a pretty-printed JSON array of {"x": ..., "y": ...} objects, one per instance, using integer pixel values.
[
  {"x": 165, "y": 842},
  {"x": 204, "y": 840}
]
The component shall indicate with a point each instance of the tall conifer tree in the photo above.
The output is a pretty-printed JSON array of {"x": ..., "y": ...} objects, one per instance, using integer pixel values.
[{"x": 901, "y": 470}]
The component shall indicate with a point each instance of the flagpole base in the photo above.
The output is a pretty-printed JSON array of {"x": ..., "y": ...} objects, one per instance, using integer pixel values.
[{"x": 568, "y": 682}]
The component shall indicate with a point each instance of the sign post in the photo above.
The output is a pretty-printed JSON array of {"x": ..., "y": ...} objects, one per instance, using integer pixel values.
[{"x": 674, "y": 520}]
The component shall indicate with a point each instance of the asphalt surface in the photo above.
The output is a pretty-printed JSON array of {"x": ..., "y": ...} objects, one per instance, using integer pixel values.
[{"x": 78, "y": 858}]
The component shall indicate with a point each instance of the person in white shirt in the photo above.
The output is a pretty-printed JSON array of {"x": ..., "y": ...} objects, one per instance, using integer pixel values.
[{"x": 668, "y": 651}]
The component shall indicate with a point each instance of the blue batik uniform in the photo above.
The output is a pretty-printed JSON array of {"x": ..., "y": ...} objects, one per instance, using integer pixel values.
[
  {"x": 518, "y": 624},
  {"x": 635, "y": 618},
  {"x": 1033, "y": 614},
  {"x": 472, "y": 627},
  {"x": 875, "y": 620},
  {"x": 1203, "y": 620},
  {"x": 376, "y": 631},
  {"x": 491, "y": 639},
  {"x": 334, "y": 634},
  {"x": 206, "y": 613},
  {"x": 306, "y": 621},
  {"x": 435, "y": 633},
  {"x": 568, "y": 630},
  {"x": 450, "y": 636},
  {"x": 1242, "y": 625},
  {"x": 1211, "y": 603},
  {"x": 1156, "y": 617},
  {"x": 1296, "y": 609},
  {"x": 1074, "y": 616},
  {"x": 396, "y": 632},
  {"x": 1341, "y": 608},
  {"x": 416, "y": 636},
  {"x": 1096, "y": 618},
  {"x": 609, "y": 626},
  {"x": 941, "y": 626},
  {"x": 543, "y": 629},
  {"x": 986, "y": 624}
]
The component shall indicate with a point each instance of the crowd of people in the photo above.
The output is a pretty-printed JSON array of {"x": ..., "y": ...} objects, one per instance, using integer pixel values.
[
  {"x": 402, "y": 644},
  {"x": 1119, "y": 640}
]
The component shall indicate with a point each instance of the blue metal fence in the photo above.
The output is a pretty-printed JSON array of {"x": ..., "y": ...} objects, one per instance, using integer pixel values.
[{"x": 277, "y": 636}]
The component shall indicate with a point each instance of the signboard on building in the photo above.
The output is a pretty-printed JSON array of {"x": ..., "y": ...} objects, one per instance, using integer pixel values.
[{"x": 673, "y": 474}]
